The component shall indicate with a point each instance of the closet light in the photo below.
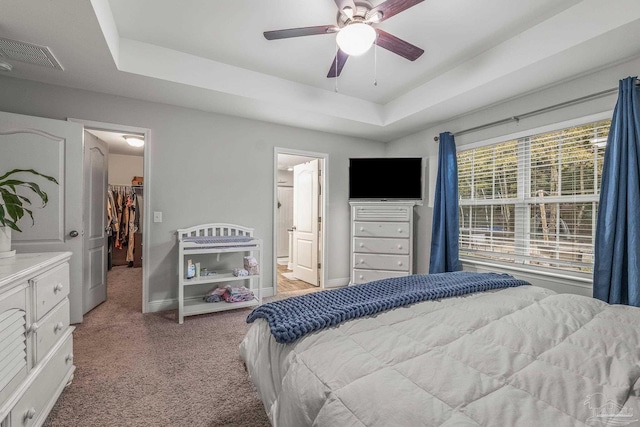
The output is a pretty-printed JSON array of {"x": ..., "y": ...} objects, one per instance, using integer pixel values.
[{"x": 134, "y": 140}]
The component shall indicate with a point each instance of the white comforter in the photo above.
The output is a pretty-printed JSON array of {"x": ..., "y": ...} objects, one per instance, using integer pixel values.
[{"x": 515, "y": 357}]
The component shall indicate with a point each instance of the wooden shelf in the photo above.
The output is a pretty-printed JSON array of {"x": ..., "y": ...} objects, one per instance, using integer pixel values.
[
  {"x": 223, "y": 276},
  {"x": 198, "y": 306}
]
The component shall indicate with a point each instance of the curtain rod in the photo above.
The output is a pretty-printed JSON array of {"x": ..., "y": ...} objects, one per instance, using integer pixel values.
[{"x": 536, "y": 112}]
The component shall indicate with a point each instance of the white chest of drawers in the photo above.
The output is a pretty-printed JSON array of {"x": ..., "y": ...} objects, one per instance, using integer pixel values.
[
  {"x": 381, "y": 240},
  {"x": 36, "y": 347}
]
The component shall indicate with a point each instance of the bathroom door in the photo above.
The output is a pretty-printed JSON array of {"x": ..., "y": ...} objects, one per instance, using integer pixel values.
[{"x": 305, "y": 221}]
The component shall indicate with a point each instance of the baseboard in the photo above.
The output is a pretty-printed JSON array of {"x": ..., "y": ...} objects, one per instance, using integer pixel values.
[
  {"x": 172, "y": 304},
  {"x": 337, "y": 283}
]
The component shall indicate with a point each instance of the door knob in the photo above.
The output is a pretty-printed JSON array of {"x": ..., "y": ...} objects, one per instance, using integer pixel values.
[{"x": 73, "y": 233}]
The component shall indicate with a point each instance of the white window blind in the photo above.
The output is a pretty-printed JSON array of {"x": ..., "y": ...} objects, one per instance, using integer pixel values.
[{"x": 533, "y": 200}]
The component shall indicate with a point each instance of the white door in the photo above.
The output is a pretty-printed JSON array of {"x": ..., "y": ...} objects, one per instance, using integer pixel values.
[
  {"x": 54, "y": 148},
  {"x": 305, "y": 222},
  {"x": 96, "y": 155}
]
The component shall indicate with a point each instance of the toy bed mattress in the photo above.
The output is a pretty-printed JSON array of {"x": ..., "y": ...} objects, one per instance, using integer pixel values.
[{"x": 514, "y": 357}]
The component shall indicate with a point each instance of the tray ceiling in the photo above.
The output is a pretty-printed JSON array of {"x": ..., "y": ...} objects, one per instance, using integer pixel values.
[{"x": 211, "y": 55}]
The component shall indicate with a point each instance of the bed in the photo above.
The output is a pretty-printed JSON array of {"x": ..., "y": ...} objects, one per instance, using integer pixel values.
[{"x": 520, "y": 356}]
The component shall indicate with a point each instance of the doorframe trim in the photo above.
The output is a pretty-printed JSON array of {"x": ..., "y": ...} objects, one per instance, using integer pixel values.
[
  {"x": 146, "y": 246},
  {"x": 325, "y": 218}
]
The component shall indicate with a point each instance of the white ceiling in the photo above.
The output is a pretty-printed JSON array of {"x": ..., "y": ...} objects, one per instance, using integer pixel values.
[
  {"x": 116, "y": 142},
  {"x": 286, "y": 161},
  {"x": 211, "y": 55}
]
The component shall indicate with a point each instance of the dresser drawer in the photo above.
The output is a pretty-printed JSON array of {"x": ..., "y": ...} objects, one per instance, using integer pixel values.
[
  {"x": 51, "y": 288},
  {"x": 51, "y": 328},
  {"x": 382, "y": 213},
  {"x": 33, "y": 406},
  {"x": 366, "y": 276},
  {"x": 381, "y": 262},
  {"x": 381, "y": 246},
  {"x": 381, "y": 229}
]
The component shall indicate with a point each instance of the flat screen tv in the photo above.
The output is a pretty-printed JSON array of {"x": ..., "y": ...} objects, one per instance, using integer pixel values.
[{"x": 385, "y": 178}]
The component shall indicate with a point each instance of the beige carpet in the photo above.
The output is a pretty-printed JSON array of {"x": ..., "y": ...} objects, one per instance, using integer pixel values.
[{"x": 146, "y": 370}]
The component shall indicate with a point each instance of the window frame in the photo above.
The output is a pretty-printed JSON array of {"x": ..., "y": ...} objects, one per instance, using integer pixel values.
[{"x": 524, "y": 201}]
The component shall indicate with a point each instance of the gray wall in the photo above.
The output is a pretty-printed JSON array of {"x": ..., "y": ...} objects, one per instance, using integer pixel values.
[
  {"x": 422, "y": 143},
  {"x": 205, "y": 168}
]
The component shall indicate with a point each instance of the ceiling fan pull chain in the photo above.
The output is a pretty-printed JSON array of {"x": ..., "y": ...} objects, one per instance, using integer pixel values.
[
  {"x": 375, "y": 61},
  {"x": 336, "y": 63}
]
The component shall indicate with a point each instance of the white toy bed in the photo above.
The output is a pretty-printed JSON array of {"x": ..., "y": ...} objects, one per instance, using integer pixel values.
[{"x": 519, "y": 356}]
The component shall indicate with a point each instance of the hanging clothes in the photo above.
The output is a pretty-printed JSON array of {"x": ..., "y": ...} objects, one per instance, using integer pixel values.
[
  {"x": 131, "y": 208},
  {"x": 124, "y": 214}
]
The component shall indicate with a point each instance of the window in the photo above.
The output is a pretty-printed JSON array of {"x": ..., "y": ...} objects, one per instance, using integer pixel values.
[{"x": 533, "y": 200}]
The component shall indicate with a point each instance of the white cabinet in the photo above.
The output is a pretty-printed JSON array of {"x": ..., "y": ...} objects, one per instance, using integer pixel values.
[
  {"x": 381, "y": 240},
  {"x": 36, "y": 344},
  {"x": 219, "y": 248}
]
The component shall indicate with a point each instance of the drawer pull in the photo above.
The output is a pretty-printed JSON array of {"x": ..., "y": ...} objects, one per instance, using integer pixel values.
[
  {"x": 399, "y": 230},
  {"x": 399, "y": 246},
  {"x": 33, "y": 328},
  {"x": 58, "y": 327},
  {"x": 400, "y": 263},
  {"x": 69, "y": 358},
  {"x": 58, "y": 288},
  {"x": 361, "y": 261},
  {"x": 361, "y": 228},
  {"x": 30, "y": 414},
  {"x": 361, "y": 276},
  {"x": 362, "y": 245}
]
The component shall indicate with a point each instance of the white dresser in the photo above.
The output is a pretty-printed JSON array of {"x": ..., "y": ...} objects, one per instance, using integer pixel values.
[
  {"x": 381, "y": 240},
  {"x": 36, "y": 347}
]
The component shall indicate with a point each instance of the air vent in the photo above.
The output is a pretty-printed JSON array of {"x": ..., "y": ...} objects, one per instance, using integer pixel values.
[{"x": 29, "y": 53}]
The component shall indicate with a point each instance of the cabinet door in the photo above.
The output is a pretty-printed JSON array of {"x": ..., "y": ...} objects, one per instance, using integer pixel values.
[{"x": 13, "y": 340}]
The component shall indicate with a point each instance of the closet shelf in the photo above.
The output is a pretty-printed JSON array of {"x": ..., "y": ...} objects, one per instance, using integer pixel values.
[{"x": 223, "y": 276}]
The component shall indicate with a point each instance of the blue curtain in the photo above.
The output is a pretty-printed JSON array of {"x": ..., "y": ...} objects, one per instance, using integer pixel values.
[
  {"x": 444, "y": 233},
  {"x": 616, "y": 270}
]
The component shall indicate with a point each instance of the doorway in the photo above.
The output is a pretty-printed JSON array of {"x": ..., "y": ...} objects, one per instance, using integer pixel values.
[
  {"x": 299, "y": 221},
  {"x": 115, "y": 214}
]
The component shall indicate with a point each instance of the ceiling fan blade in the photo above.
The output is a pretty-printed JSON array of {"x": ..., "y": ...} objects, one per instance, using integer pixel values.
[
  {"x": 337, "y": 64},
  {"x": 392, "y": 7},
  {"x": 345, "y": 3},
  {"x": 398, "y": 46},
  {"x": 299, "y": 32}
]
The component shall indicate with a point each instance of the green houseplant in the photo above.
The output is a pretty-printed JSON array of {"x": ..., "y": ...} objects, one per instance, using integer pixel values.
[{"x": 13, "y": 203}]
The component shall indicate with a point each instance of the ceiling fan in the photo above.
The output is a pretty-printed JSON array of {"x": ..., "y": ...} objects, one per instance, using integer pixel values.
[{"x": 355, "y": 31}]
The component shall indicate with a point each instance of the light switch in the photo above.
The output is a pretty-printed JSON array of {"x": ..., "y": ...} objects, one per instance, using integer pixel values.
[{"x": 157, "y": 217}]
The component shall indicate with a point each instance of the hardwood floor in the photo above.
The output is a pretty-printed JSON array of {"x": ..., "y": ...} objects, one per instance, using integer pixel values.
[{"x": 288, "y": 285}]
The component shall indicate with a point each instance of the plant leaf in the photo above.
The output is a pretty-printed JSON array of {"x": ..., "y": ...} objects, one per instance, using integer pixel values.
[
  {"x": 30, "y": 215},
  {"x": 12, "y": 225},
  {"x": 30, "y": 185},
  {"x": 31, "y": 171}
]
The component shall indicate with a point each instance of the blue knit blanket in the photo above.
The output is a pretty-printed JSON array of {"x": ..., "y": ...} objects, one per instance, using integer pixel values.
[{"x": 292, "y": 318}]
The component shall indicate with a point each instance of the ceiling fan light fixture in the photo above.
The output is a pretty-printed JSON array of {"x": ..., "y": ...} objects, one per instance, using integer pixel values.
[
  {"x": 355, "y": 39},
  {"x": 134, "y": 140}
]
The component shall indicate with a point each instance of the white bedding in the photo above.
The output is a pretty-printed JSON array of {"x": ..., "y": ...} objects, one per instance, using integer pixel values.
[{"x": 515, "y": 357}]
